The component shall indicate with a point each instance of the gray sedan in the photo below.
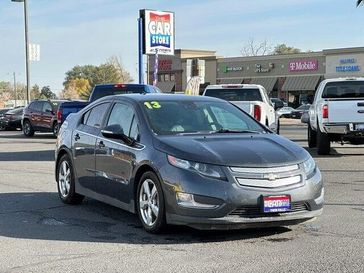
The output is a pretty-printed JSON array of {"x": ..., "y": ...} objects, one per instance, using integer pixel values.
[{"x": 185, "y": 160}]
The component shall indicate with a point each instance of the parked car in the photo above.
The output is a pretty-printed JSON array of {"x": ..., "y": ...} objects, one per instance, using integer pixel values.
[
  {"x": 185, "y": 160},
  {"x": 41, "y": 116},
  {"x": 11, "y": 120},
  {"x": 277, "y": 103},
  {"x": 100, "y": 91},
  {"x": 285, "y": 112},
  {"x": 251, "y": 98},
  {"x": 297, "y": 113},
  {"x": 2, "y": 113},
  {"x": 337, "y": 114}
]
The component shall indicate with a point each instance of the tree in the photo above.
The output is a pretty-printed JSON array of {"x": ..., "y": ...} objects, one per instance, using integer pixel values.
[
  {"x": 117, "y": 64},
  {"x": 47, "y": 93},
  {"x": 359, "y": 2},
  {"x": 77, "y": 88},
  {"x": 35, "y": 92},
  {"x": 282, "y": 49},
  {"x": 251, "y": 48},
  {"x": 110, "y": 72}
]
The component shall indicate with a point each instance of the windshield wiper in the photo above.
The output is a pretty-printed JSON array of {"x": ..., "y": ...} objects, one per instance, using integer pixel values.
[{"x": 228, "y": 131}]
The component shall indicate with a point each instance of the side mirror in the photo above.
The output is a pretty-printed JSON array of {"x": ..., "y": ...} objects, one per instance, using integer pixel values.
[
  {"x": 305, "y": 118},
  {"x": 115, "y": 131}
]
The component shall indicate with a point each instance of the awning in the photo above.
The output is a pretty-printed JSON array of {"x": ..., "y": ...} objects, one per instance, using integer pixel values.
[
  {"x": 301, "y": 83},
  {"x": 267, "y": 83},
  {"x": 231, "y": 81},
  {"x": 166, "y": 87}
]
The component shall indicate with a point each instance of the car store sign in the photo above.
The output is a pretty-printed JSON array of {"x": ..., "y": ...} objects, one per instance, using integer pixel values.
[
  {"x": 158, "y": 32},
  {"x": 303, "y": 65}
]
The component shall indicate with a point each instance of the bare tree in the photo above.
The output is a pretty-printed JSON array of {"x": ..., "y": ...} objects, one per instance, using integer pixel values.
[
  {"x": 253, "y": 48},
  {"x": 122, "y": 73}
]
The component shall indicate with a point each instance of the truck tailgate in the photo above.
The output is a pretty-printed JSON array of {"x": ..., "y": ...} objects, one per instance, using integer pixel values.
[
  {"x": 346, "y": 111},
  {"x": 247, "y": 106}
]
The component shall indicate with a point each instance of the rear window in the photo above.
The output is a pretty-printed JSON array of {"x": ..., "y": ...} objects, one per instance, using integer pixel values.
[
  {"x": 103, "y": 91},
  {"x": 237, "y": 94},
  {"x": 342, "y": 90}
]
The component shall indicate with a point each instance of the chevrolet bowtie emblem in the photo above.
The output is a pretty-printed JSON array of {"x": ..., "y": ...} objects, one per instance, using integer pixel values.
[{"x": 272, "y": 176}]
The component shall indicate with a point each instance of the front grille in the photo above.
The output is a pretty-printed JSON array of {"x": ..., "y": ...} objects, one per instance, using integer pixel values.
[
  {"x": 268, "y": 178},
  {"x": 256, "y": 212}
]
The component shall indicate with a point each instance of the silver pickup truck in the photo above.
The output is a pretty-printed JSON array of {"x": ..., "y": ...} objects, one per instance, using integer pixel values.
[{"x": 337, "y": 114}]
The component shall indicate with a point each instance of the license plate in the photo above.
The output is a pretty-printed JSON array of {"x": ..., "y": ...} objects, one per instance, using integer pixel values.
[
  {"x": 276, "y": 203},
  {"x": 359, "y": 127}
]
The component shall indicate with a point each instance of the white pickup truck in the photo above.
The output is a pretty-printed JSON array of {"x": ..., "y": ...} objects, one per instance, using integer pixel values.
[
  {"x": 337, "y": 114},
  {"x": 251, "y": 98}
]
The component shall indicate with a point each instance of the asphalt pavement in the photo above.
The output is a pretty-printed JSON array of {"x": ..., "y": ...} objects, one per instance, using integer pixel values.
[{"x": 38, "y": 233}]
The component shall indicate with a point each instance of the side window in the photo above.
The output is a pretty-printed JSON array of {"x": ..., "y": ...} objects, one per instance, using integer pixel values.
[
  {"x": 36, "y": 106},
  {"x": 123, "y": 115},
  {"x": 96, "y": 115},
  {"x": 134, "y": 130},
  {"x": 47, "y": 107}
]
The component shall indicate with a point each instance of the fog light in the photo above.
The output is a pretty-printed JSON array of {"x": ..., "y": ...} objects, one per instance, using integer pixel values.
[{"x": 186, "y": 200}]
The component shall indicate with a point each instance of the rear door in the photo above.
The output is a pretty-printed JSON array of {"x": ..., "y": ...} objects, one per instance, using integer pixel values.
[
  {"x": 35, "y": 110},
  {"x": 46, "y": 116},
  {"x": 114, "y": 159},
  {"x": 84, "y": 143}
]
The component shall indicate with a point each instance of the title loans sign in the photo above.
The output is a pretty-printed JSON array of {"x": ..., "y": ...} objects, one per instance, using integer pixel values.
[{"x": 158, "y": 32}]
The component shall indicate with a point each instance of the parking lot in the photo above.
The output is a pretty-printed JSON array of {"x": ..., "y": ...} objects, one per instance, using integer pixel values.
[{"x": 38, "y": 233}]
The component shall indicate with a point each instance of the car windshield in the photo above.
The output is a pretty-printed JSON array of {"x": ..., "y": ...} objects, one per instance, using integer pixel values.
[
  {"x": 189, "y": 117},
  {"x": 340, "y": 90},
  {"x": 235, "y": 94},
  {"x": 15, "y": 111},
  {"x": 304, "y": 107}
]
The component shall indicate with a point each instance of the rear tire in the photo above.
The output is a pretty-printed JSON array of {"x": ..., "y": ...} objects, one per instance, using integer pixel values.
[
  {"x": 323, "y": 143},
  {"x": 312, "y": 137},
  {"x": 66, "y": 182},
  {"x": 55, "y": 128},
  {"x": 28, "y": 128}
]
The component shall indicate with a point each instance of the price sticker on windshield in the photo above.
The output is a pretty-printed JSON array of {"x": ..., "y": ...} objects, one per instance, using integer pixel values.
[{"x": 152, "y": 104}]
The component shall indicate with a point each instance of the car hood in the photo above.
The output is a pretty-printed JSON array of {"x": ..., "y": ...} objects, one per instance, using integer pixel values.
[{"x": 249, "y": 150}]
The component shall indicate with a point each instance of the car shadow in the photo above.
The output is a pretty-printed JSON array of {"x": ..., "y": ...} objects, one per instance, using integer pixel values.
[
  {"x": 20, "y": 135},
  {"x": 42, "y": 216},
  {"x": 44, "y": 155}
]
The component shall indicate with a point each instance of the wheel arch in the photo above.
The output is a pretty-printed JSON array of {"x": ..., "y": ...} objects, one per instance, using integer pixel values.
[
  {"x": 143, "y": 168},
  {"x": 61, "y": 152}
]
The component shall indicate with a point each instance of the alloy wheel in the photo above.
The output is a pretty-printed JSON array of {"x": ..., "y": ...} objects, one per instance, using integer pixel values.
[
  {"x": 149, "y": 202},
  {"x": 64, "y": 178}
]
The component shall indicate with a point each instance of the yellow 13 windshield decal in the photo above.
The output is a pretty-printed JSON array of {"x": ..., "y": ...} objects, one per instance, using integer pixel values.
[{"x": 152, "y": 105}]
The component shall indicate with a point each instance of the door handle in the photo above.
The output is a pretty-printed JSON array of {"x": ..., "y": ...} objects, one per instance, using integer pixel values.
[
  {"x": 361, "y": 111},
  {"x": 77, "y": 137},
  {"x": 101, "y": 144},
  {"x": 360, "y": 103}
]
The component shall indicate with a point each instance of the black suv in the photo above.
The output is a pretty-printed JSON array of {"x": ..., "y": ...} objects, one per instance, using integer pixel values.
[{"x": 41, "y": 115}]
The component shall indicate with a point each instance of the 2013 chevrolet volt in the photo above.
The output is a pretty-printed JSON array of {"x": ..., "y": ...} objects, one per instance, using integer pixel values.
[{"x": 185, "y": 160}]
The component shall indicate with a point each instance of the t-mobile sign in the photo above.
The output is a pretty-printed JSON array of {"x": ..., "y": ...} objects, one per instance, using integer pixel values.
[{"x": 303, "y": 65}]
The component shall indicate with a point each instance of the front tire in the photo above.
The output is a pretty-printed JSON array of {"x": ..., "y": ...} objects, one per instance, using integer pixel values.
[
  {"x": 150, "y": 203},
  {"x": 323, "y": 143},
  {"x": 312, "y": 137},
  {"x": 66, "y": 182},
  {"x": 28, "y": 129}
]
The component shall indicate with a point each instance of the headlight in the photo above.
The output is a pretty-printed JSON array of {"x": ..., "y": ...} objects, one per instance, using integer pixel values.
[
  {"x": 309, "y": 167},
  {"x": 203, "y": 169}
]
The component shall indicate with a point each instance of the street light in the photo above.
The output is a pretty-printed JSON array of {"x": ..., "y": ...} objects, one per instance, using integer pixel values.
[{"x": 27, "y": 66}]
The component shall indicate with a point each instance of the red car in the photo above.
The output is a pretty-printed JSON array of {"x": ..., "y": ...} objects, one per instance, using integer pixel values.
[{"x": 41, "y": 116}]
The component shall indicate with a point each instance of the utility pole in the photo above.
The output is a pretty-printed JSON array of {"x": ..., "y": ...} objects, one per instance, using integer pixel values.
[{"x": 15, "y": 88}]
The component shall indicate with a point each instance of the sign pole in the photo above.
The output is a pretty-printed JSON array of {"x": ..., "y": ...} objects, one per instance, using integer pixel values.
[
  {"x": 140, "y": 49},
  {"x": 156, "y": 61}
]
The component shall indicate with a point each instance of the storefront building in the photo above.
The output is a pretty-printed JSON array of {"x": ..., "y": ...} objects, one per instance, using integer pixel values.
[{"x": 292, "y": 77}]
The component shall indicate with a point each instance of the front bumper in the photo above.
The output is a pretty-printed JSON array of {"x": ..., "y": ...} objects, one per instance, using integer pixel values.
[
  {"x": 233, "y": 222},
  {"x": 237, "y": 206}
]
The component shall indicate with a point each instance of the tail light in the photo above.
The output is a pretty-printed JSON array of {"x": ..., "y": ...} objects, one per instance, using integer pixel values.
[
  {"x": 325, "y": 111},
  {"x": 59, "y": 115},
  {"x": 257, "y": 112}
]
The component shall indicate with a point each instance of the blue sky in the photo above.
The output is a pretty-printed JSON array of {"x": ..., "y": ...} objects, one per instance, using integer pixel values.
[{"x": 81, "y": 32}]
